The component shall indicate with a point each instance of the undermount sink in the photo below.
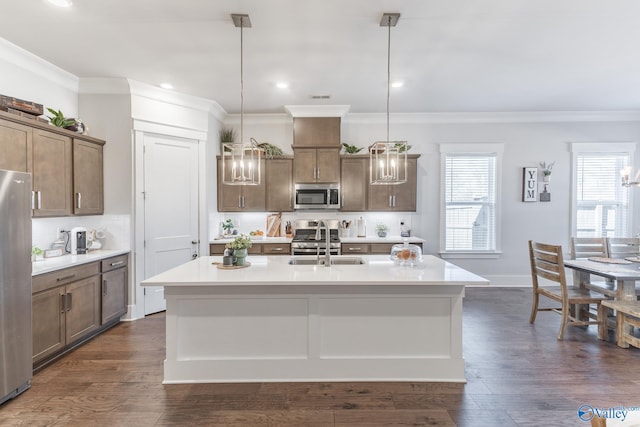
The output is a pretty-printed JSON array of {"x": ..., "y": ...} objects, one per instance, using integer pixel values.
[{"x": 335, "y": 260}]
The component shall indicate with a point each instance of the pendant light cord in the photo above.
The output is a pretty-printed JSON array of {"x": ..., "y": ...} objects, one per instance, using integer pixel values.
[
  {"x": 241, "y": 82},
  {"x": 388, "y": 71}
]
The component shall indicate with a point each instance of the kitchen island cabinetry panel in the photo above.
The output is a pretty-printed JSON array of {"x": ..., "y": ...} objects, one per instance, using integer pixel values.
[
  {"x": 399, "y": 197},
  {"x": 87, "y": 178},
  {"x": 242, "y": 198},
  {"x": 15, "y": 146},
  {"x": 279, "y": 183},
  {"x": 354, "y": 177}
]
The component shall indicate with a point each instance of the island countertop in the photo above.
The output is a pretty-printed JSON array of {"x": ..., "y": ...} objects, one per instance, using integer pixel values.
[{"x": 270, "y": 270}]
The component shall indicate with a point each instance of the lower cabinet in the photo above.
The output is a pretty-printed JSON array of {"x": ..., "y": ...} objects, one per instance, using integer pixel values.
[
  {"x": 369, "y": 248},
  {"x": 255, "y": 249},
  {"x": 73, "y": 304}
]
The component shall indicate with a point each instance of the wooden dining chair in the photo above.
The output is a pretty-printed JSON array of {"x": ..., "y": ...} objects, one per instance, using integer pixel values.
[
  {"x": 547, "y": 265},
  {"x": 622, "y": 247},
  {"x": 588, "y": 247}
]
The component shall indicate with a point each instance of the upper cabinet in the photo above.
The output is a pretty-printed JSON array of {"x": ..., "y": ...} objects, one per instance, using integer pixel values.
[
  {"x": 279, "y": 184},
  {"x": 87, "y": 178},
  {"x": 354, "y": 178},
  {"x": 242, "y": 198},
  {"x": 400, "y": 197},
  {"x": 316, "y": 150},
  {"x": 66, "y": 167},
  {"x": 316, "y": 165},
  {"x": 316, "y": 132}
]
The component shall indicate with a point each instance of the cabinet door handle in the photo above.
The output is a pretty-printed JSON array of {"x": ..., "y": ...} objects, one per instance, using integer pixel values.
[
  {"x": 69, "y": 300},
  {"x": 318, "y": 177},
  {"x": 243, "y": 201},
  {"x": 79, "y": 198},
  {"x": 104, "y": 287},
  {"x": 63, "y": 303},
  {"x": 277, "y": 249},
  {"x": 33, "y": 199},
  {"x": 40, "y": 199},
  {"x": 239, "y": 201},
  {"x": 390, "y": 201},
  {"x": 355, "y": 249},
  {"x": 113, "y": 264},
  {"x": 70, "y": 276}
]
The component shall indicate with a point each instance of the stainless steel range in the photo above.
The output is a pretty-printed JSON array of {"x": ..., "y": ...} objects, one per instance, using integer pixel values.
[{"x": 304, "y": 240}]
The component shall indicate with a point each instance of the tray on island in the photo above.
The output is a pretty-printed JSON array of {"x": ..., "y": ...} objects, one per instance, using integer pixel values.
[
  {"x": 230, "y": 267},
  {"x": 609, "y": 260}
]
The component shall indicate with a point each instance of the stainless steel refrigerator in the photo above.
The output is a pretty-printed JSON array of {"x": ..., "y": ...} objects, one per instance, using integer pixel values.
[{"x": 15, "y": 284}]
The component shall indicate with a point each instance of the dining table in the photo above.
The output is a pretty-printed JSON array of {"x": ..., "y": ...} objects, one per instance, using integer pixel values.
[{"x": 623, "y": 272}]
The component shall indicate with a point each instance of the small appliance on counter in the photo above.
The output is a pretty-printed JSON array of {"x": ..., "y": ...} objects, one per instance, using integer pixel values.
[
  {"x": 362, "y": 228},
  {"x": 78, "y": 237}
]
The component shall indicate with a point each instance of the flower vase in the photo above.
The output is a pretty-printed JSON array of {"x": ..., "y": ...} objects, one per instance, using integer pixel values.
[
  {"x": 240, "y": 256},
  {"x": 546, "y": 178}
]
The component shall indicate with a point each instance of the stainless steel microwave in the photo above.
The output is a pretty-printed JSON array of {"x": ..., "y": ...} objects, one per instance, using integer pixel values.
[{"x": 317, "y": 196}]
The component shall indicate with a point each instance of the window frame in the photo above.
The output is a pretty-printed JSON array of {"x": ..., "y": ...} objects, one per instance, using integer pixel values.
[
  {"x": 578, "y": 148},
  {"x": 474, "y": 149}
]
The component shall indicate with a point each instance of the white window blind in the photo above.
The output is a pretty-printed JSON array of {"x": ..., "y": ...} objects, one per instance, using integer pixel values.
[
  {"x": 470, "y": 202},
  {"x": 602, "y": 203}
]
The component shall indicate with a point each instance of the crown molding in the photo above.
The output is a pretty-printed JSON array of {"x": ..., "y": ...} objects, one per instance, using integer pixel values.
[
  {"x": 260, "y": 119},
  {"x": 317, "y": 110},
  {"x": 34, "y": 64},
  {"x": 171, "y": 97},
  {"x": 497, "y": 117}
]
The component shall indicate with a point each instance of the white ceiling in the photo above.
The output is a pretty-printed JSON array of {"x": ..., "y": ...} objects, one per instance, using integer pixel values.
[{"x": 454, "y": 55}]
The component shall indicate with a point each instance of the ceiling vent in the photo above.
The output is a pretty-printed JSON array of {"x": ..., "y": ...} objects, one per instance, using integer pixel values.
[{"x": 320, "y": 96}]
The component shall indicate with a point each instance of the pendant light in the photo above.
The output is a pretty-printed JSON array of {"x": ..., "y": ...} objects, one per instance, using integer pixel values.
[
  {"x": 626, "y": 177},
  {"x": 388, "y": 159},
  {"x": 240, "y": 160}
]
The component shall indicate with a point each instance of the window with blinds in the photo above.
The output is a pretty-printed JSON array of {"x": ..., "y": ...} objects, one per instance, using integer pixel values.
[
  {"x": 602, "y": 204},
  {"x": 470, "y": 202}
]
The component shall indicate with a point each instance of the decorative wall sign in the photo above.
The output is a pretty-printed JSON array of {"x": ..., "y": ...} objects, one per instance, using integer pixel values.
[{"x": 529, "y": 184}]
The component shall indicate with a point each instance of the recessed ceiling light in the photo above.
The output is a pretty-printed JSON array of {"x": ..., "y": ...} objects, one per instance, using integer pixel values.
[
  {"x": 61, "y": 3},
  {"x": 166, "y": 85},
  {"x": 397, "y": 84},
  {"x": 282, "y": 85}
]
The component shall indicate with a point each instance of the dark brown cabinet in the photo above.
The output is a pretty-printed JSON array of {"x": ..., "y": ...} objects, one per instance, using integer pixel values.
[
  {"x": 400, "y": 197},
  {"x": 88, "y": 180},
  {"x": 279, "y": 183},
  {"x": 369, "y": 248},
  {"x": 316, "y": 132},
  {"x": 255, "y": 249},
  {"x": 316, "y": 165},
  {"x": 115, "y": 285},
  {"x": 242, "y": 198},
  {"x": 354, "y": 178},
  {"x": 67, "y": 168},
  {"x": 73, "y": 304}
]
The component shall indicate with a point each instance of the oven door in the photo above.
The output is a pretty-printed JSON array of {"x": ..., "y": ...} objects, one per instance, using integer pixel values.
[{"x": 312, "y": 251}]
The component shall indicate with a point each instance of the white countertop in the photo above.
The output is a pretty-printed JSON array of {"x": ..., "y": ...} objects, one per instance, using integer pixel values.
[
  {"x": 254, "y": 239},
  {"x": 275, "y": 270},
  {"x": 48, "y": 265}
]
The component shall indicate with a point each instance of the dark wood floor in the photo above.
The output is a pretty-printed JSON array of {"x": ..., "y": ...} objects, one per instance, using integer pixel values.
[{"x": 518, "y": 375}]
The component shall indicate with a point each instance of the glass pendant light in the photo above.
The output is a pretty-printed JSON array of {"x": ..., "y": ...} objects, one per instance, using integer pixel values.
[
  {"x": 388, "y": 159},
  {"x": 241, "y": 161}
]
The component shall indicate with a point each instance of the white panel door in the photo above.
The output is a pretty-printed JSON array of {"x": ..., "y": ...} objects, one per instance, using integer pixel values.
[{"x": 170, "y": 209}]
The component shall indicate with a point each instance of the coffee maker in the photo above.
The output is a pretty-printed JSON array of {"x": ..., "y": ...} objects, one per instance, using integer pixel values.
[{"x": 78, "y": 237}]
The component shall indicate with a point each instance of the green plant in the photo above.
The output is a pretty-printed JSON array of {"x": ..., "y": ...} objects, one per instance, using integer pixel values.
[
  {"x": 227, "y": 135},
  {"x": 351, "y": 149},
  {"x": 402, "y": 147},
  {"x": 240, "y": 242},
  {"x": 546, "y": 168},
  {"x": 57, "y": 119},
  {"x": 227, "y": 226},
  {"x": 381, "y": 227},
  {"x": 36, "y": 251},
  {"x": 270, "y": 150}
]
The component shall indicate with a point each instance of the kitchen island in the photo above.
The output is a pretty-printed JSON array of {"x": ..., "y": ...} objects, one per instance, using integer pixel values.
[{"x": 274, "y": 321}]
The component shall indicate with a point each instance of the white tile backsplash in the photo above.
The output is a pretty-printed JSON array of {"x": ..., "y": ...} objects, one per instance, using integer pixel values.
[{"x": 116, "y": 229}]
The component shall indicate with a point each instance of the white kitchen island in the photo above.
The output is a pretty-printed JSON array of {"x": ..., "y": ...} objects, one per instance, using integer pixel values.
[{"x": 278, "y": 322}]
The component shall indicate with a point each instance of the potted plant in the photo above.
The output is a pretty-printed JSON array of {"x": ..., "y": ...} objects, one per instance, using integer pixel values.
[
  {"x": 57, "y": 119},
  {"x": 239, "y": 246},
  {"x": 270, "y": 150},
  {"x": 351, "y": 149},
  {"x": 227, "y": 227},
  {"x": 546, "y": 170},
  {"x": 382, "y": 229},
  {"x": 227, "y": 136},
  {"x": 36, "y": 253},
  {"x": 402, "y": 147}
]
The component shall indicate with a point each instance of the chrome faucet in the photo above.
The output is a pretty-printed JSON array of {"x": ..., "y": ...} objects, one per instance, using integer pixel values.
[{"x": 327, "y": 250}]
